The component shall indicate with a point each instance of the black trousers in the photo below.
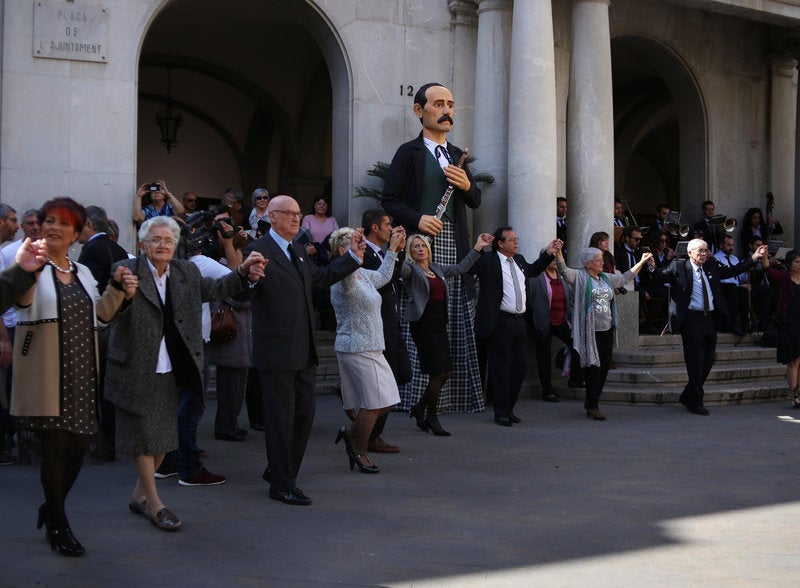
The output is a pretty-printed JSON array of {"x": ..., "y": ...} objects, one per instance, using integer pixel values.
[
  {"x": 544, "y": 360},
  {"x": 594, "y": 376},
  {"x": 507, "y": 361},
  {"x": 699, "y": 336},
  {"x": 289, "y": 407}
]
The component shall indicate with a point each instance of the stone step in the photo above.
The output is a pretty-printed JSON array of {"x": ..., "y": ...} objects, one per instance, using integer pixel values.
[
  {"x": 676, "y": 375},
  {"x": 715, "y": 393},
  {"x": 673, "y": 356}
]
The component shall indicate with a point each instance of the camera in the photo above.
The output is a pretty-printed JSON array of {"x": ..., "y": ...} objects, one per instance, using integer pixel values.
[
  {"x": 154, "y": 187},
  {"x": 200, "y": 231}
]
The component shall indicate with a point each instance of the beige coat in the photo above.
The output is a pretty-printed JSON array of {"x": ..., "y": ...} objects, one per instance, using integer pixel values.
[{"x": 37, "y": 366}]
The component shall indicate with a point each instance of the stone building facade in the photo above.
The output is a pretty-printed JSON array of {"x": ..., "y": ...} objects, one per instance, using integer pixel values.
[{"x": 658, "y": 100}]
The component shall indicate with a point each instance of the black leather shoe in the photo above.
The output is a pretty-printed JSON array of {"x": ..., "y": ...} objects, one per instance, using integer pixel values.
[
  {"x": 226, "y": 437},
  {"x": 299, "y": 493},
  {"x": 266, "y": 475},
  {"x": 698, "y": 409},
  {"x": 549, "y": 398},
  {"x": 503, "y": 421},
  {"x": 289, "y": 497},
  {"x": 514, "y": 418},
  {"x": 257, "y": 426},
  {"x": 694, "y": 408}
]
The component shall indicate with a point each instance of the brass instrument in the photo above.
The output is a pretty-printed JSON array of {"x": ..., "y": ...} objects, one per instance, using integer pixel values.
[{"x": 729, "y": 224}]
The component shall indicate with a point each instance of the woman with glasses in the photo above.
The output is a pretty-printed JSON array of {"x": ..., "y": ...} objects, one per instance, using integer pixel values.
[
  {"x": 156, "y": 348},
  {"x": 56, "y": 362},
  {"x": 259, "y": 213},
  {"x": 594, "y": 316}
]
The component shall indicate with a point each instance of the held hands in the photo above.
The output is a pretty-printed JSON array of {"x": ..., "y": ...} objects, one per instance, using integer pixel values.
[
  {"x": 129, "y": 281},
  {"x": 398, "y": 239},
  {"x": 430, "y": 225},
  {"x": 555, "y": 246},
  {"x": 457, "y": 177},
  {"x": 484, "y": 240},
  {"x": 31, "y": 255},
  {"x": 358, "y": 244},
  {"x": 760, "y": 252},
  {"x": 254, "y": 265}
]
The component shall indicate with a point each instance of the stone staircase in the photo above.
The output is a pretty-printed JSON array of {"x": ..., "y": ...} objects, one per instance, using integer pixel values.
[
  {"x": 655, "y": 373},
  {"x": 328, "y": 370}
]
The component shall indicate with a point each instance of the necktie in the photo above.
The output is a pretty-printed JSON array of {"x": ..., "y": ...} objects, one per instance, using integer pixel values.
[
  {"x": 381, "y": 253},
  {"x": 517, "y": 289},
  {"x": 706, "y": 304},
  {"x": 442, "y": 155},
  {"x": 295, "y": 260}
]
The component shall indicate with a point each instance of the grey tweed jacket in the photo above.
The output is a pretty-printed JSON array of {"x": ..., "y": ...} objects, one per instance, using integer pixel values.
[{"x": 418, "y": 288}]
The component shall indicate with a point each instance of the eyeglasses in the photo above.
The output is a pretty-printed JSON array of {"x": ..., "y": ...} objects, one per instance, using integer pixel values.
[
  {"x": 261, "y": 198},
  {"x": 162, "y": 242},
  {"x": 291, "y": 213}
]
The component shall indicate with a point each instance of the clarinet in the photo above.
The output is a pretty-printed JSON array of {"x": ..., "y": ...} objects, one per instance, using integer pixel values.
[{"x": 449, "y": 191}]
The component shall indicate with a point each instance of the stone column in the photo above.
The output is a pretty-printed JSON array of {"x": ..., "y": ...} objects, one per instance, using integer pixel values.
[
  {"x": 590, "y": 127},
  {"x": 532, "y": 140},
  {"x": 491, "y": 110},
  {"x": 465, "y": 42},
  {"x": 782, "y": 141}
]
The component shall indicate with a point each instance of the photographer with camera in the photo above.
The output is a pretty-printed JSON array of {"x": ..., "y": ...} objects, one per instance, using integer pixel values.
[{"x": 162, "y": 202}]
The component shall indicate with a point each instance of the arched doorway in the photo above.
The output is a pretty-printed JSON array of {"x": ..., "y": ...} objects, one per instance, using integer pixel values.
[
  {"x": 255, "y": 84},
  {"x": 660, "y": 130}
]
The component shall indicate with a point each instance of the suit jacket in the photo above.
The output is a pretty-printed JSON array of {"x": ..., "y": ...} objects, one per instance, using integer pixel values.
[
  {"x": 418, "y": 288},
  {"x": 138, "y": 328},
  {"x": 622, "y": 261},
  {"x": 679, "y": 274},
  {"x": 391, "y": 325},
  {"x": 710, "y": 234},
  {"x": 283, "y": 312},
  {"x": 490, "y": 275},
  {"x": 99, "y": 254},
  {"x": 401, "y": 191},
  {"x": 539, "y": 303}
]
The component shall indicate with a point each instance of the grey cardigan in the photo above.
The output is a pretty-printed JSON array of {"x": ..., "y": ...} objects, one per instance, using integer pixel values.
[{"x": 418, "y": 288}]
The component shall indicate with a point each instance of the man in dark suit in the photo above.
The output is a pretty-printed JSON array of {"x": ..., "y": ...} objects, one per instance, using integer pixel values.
[
  {"x": 99, "y": 253},
  {"x": 704, "y": 226},
  {"x": 500, "y": 317},
  {"x": 283, "y": 328},
  {"x": 377, "y": 227},
  {"x": 696, "y": 293}
]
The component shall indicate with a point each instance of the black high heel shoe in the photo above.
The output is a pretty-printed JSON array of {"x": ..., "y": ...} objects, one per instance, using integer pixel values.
[
  {"x": 364, "y": 468},
  {"x": 418, "y": 412},
  {"x": 435, "y": 426},
  {"x": 348, "y": 448},
  {"x": 65, "y": 541}
]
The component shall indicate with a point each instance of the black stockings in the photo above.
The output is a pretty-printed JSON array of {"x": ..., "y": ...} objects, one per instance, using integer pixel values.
[
  {"x": 62, "y": 456},
  {"x": 433, "y": 391}
]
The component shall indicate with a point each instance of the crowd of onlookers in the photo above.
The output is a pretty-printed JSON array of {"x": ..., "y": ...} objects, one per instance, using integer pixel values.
[{"x": 128, "y": 338}]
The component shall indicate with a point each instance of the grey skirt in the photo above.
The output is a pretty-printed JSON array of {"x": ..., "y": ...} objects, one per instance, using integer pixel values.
[
  {"x": 155, "y": 431},
  {"x": 367, "y": 380}
]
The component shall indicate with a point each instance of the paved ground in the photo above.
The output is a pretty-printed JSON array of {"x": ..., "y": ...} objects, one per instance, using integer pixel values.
[{"x": 654, "y": 496}]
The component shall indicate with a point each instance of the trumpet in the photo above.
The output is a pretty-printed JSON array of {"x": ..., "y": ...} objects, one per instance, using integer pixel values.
[
  {"x": 676, "y": 229},
  {"x": 729, "y": 225}
]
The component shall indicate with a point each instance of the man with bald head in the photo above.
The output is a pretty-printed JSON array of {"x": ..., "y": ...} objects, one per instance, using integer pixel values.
[
  {"x": 285, "y": 355},
  {"x": 696, "y": 292}
]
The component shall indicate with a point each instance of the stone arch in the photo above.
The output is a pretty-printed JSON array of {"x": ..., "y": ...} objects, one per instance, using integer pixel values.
[
  {"x": 250, "y": 101},
  {"x": 661, "y": 147}
]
